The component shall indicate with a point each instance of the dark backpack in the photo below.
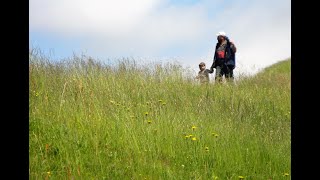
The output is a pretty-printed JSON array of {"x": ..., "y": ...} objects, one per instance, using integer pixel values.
[{"x": 231, "y": 58}]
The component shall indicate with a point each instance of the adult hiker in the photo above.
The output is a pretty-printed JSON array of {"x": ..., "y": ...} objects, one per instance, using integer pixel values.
[{"x": 224, "y": 58}]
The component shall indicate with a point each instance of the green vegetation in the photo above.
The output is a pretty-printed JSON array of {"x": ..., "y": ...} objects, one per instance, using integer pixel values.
[{"x": 89, "y": 120}]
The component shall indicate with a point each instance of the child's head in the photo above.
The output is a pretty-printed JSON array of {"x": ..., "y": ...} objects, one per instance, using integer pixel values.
[{"x": 202, "y": 66}]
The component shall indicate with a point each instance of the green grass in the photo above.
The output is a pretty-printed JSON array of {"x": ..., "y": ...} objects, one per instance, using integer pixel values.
[{"x": 127, "y": 121}]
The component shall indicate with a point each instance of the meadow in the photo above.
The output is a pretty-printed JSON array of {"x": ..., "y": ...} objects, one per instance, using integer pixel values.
[{"x": 92, "y": 120}]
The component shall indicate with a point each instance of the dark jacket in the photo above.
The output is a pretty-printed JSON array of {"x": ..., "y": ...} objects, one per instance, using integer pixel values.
[{"x": 229, "y": 58}]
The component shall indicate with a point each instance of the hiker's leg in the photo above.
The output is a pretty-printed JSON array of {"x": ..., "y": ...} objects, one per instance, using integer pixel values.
[
  {"x": 219, "y": 74},
  {"x": 229, "y": 74},
  {"x": 224, "y": 71}
]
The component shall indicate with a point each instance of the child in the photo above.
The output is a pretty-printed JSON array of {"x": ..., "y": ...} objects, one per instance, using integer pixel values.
[{"x": 203, "y": 74}]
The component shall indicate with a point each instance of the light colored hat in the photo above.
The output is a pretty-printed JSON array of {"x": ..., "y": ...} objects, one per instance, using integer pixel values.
[
  {"x": 202, "y": 64},
  {"x": 221, "y": 33}
]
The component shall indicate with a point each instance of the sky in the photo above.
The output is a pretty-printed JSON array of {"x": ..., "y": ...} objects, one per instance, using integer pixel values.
[{"x": 163, "y": 30}]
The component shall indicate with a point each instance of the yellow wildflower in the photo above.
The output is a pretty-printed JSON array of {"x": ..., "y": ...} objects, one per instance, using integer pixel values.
[
  {"x": 286, "y": 174},
  {"x": 207, "y": 149},
  {"x": 215, "y": 134},
  {"x": 47, "y": 147},
  {"x": 149, "y": 121},
  {"x": 194, "y": 139},
  {"x": 241, "y": 177},
  {"x": 194, "y": 127}
]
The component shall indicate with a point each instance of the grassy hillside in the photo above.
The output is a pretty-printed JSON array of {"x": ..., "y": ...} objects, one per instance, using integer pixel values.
[
  {"x": 278, "y": 74},
  {"x": 90, "y": 120}
]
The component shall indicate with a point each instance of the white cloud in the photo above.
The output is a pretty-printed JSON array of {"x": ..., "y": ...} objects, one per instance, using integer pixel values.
[
  {"x": 88, "y": 16},
  {"x": 142, "y": 26},
  {"x": 260, "y": 29}
]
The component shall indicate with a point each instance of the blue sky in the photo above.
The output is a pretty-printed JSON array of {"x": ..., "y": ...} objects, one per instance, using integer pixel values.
[{"x": 162, "y": 29}]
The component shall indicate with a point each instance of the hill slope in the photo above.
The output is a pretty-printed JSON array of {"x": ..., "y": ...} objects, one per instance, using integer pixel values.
[
  {"x": 277, "y": 74},
  {"x": 94, "y": 121}
]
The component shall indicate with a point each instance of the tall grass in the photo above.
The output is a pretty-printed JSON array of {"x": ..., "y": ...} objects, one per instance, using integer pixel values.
[{"x": 90, "y": 120}]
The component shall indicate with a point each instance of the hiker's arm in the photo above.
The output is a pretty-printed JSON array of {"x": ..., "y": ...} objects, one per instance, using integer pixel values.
[
  {"x": 213, "y": 63},
  {"x": 211, "y": 70}
]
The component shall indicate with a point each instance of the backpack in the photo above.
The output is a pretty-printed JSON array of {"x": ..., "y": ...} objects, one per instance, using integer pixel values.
[{"x": 231, "y": 59}]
